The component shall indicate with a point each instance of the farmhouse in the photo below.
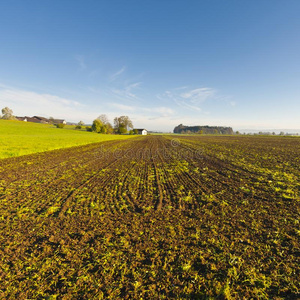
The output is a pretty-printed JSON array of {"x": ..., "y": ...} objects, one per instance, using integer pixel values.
[
  {"x": 142, "y": 131},
  {"x": 30, "y": 119},
  {"x": 41, "y": 119},
  {"x": 24, "y": 119}
]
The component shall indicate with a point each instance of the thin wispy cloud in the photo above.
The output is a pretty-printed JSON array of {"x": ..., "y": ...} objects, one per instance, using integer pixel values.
[
  {"x": 123, "y": 107},
  {"x": 128, "y": 91},
  {"x": 189, "y": 98},
  {"x": 133, "y": 85},
  {"x": 114, "y": 76},
  {"x": 163, "y": 111},
  {"x": 81, "y": 61},
  {"x": 198, "y": 96}
]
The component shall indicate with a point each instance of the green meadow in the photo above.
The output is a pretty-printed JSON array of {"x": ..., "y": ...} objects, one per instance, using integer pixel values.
[{"x": 21, "y": 138}]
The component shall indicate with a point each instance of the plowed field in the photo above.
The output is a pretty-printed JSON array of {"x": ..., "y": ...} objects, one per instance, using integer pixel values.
[{"x": 153, "y": 218}]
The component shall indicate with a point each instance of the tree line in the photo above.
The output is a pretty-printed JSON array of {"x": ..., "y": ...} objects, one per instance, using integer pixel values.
[{"x": 203, "y": 129}]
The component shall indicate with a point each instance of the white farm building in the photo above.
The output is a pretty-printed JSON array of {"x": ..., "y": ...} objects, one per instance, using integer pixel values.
[{"x": 142, "y": 131}]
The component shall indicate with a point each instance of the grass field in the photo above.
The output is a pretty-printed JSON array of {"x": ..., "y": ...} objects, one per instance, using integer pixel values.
[
  {"x": 153, "y": 218},
  {"x": 20, "y": 138}
]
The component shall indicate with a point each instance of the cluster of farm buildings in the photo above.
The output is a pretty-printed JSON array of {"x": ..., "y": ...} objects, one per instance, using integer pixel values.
[{"x": 42, "y": 120}]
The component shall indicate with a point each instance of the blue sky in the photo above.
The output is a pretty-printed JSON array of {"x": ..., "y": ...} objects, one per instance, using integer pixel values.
[{"x": 162, "y": 63}]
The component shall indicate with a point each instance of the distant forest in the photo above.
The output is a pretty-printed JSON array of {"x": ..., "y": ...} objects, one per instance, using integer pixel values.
[{"x": 203, "y": 129}]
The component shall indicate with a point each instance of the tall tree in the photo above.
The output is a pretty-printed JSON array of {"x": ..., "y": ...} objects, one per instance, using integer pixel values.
[
  {"x": 122, "y": 124},
  {"x": 98, "y": 126},
  {"x": 103, "y": 118},
  {"x": 106, "y": 126},
  {"x": 7, "y": 114}
]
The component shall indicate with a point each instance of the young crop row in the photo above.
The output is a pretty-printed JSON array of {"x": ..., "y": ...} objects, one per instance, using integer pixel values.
[{"x": 153, "y": 218}]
